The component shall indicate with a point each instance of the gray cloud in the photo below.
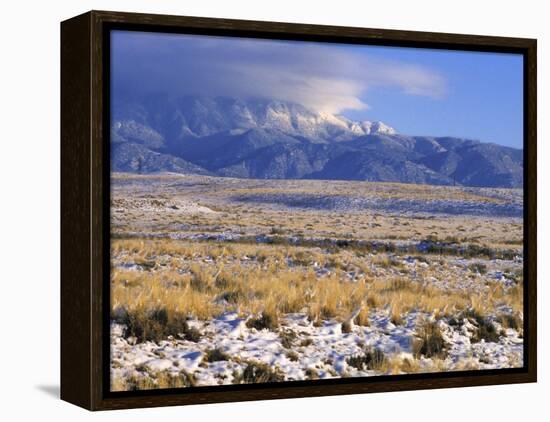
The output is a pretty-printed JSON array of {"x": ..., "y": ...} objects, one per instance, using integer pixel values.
[{"x": 325, "y": 77}]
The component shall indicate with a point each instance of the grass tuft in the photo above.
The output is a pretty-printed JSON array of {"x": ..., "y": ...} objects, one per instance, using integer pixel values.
[
  {"x": 429, "y": 342},
  {"x": 216, "y": 355},
  {"x": 287, "y": 338},
  {"x": 373, "y": 359},
  {"x": 257, "y": 372},
  {"x": 266, "y": 321},
  {"x": 486, "y": 330},
  {"x": 157, "y": 324}
]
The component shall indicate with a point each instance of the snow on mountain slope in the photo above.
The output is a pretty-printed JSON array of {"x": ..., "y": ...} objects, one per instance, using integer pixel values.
[{"x": 205, "y": 116}]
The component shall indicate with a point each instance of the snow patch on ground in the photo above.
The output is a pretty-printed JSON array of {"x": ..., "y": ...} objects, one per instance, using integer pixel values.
[
  {"x": 324, "y": 350},
  {"x": 154, "y": 205}
]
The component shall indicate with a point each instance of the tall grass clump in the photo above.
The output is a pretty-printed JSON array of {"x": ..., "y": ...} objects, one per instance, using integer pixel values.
[
  {"x": 485, "y": 329},
  {"x": 257, "y": 372},
  {"x": 429, "y": 341},
  {"x": 157, "y": 324},
  {"x": 372, "y": 359}
]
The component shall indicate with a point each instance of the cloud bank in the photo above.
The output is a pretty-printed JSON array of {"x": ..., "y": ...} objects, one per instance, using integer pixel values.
[{"x": 325, "y": 77}]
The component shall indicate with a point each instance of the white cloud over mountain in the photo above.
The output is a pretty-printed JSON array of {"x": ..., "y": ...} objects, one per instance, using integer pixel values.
[{"x": 326, "y": 77}]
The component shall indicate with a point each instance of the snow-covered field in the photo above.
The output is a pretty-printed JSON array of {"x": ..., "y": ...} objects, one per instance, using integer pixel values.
[
  {"x": 222, "y": 281},
  {"x": 314, "y": 352}
]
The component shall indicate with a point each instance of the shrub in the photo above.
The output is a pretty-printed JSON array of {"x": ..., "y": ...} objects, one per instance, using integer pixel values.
[
  {"x": 201, "y": 280},
  {"x": 515, "y": 275},
  {"x": 429, "y": 342},
  {"x": 301, "y": 258},
  {"x": 182, "y": 379},
  {"x": 306, "y": 342},
  {"x": 157, "y": 324},
  {"x": 372, "y": 359},
  {"x": 267, "y": 320},
  {"x": 486, "y": 330},
  {"x": 347, "y": 327},
  {"x": 410, "y": 366},
  {"x": 216, "y": 355},
  {"x": 363, "y": 318},
  {"x": 191, "y": 334},
  {"x": 287, "y": 338},
  {"x": 311, "y": 374},
  {"x": 257, "y": 372},
  {"x": 372, "y": 301},
  {"x": 224, "y": 280},
  {"x": 276, "y": 230},
  {"x": 293, "y": 356},
  {"x": 511, "y": 321},
  {"x": 478, "y": 267},
  {"x": 395, "y": 315},
  {"x": 327, "y": 311},
  {"x": 234, "y": 296}
]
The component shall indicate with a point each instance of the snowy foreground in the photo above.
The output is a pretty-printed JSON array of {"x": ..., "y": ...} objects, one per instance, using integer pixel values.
[{"x": 304, "y": 351}]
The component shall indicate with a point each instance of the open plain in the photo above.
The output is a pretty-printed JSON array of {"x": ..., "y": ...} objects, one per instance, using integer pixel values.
[{"x": 222, "y": 280}]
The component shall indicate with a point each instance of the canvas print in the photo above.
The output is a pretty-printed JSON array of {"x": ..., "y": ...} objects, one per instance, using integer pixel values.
[{"x": 285, "y": 211}]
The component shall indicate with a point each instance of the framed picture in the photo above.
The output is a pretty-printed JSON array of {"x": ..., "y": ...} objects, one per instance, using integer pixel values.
[{"x": 258, "y": 210}]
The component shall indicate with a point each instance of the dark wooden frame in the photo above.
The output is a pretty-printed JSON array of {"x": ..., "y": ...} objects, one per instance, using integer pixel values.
[{"x": 85, "y": 209}]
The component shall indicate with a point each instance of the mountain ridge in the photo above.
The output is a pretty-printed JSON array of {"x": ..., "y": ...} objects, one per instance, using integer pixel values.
[{"x": 259, "y": 138}]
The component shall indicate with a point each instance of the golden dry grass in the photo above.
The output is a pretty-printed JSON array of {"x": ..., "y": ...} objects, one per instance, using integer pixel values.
[{"x": 202, "y": 280}]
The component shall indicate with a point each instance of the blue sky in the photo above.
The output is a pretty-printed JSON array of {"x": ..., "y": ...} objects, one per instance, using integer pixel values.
[
  {"x": 483, "y": 96},
  {"x": 417, "y": 91}
]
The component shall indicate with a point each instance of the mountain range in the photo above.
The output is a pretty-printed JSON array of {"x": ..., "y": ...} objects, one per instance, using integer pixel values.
[{"x": 261, "y": 138}]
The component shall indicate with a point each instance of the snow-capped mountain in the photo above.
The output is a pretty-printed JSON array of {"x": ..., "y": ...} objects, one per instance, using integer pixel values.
[
  {"x": 204, "y": 116},
  {"x": 260, "y": 138}
]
